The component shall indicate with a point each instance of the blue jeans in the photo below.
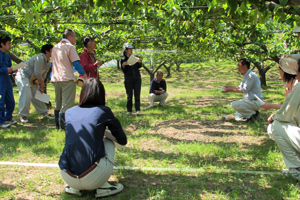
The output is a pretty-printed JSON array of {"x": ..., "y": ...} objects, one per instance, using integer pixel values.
[
  {"x": 133, "y": 86},
  {"x": 7, "y": 102}
]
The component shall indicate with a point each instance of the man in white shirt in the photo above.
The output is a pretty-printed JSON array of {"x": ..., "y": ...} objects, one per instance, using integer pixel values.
[{"x": 250, "y": 86}]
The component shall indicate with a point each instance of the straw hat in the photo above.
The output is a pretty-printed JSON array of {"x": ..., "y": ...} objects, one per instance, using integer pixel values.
[
  {"x": 289, "y": 65},
  {"x": 126, "y": 46},
  {"x": 296, "y": 29}
]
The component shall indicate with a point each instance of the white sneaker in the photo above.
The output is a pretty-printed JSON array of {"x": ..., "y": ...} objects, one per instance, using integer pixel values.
[
  {"x": 138, "y": 112},
  {"x": 70, "y": 190},
  {"x": 5, "y": 125},
  {"x": 48, "y": 116},
  {"x": 108, "y": 189},
  {"x": 150, "y": 106},
  {"x": 11, "y": 122},
  {"x": 23, "y": 119},
  {"x": 293, "y": 172},
  {"x": 128, "y": 113}
]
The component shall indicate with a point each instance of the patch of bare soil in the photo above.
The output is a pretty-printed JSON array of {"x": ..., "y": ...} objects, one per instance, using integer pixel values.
[{"x": 203, "y": 131}]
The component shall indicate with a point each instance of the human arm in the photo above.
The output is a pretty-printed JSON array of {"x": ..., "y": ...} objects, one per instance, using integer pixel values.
[
  {"x": 268, "y": 106},
  {"x": 79, "y": 68},
  {"x": 117, "y": 131},
  {"x": 230, "y": 88}
]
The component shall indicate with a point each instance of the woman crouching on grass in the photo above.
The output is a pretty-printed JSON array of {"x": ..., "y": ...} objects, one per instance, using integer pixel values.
[{"x": 87, "y": 159}]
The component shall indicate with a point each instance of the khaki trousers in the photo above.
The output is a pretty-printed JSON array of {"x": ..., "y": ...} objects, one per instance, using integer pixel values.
[
  {"x": 287, "y": 137},
  {"x": 245, "y": 107},
  {"x": 97, "y": 177},
  {"x": 27, "y": 95},
  {"x": 64, "y": 95},
  {"x": 160, "y": 98}
]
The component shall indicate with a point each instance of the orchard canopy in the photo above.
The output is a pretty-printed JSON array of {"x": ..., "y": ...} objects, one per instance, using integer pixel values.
[{"x": 258, "y": 29}]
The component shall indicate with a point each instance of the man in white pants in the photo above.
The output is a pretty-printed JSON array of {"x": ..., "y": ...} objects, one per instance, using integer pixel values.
[
  {"x": 248, "y": 107},
  {"x": 39, "y": 66},
  {"x": 284, "y": 128},
  {"x": 158, "y": 90}
]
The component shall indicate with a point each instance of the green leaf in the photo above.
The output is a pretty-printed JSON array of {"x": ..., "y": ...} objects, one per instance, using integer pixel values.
[{"x": 283, "y": 2}]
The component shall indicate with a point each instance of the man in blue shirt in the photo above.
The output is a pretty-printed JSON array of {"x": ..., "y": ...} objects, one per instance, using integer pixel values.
[
  {"x": 158, "y": 90},
  {"x": 7, "y": 102},
  {"x": 248, "y": 107}
]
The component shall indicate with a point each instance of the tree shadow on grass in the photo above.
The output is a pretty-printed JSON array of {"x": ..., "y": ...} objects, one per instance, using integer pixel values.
[
  {"x": 4, "y": 188},
  {"x": 166, "y": 185}
]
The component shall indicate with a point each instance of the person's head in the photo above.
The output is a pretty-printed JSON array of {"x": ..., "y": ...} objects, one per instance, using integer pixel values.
[
  {"x": 70, "y": 35},
  {"x": 5, "y": 43},
  {"x": 159, "y": 76},
  {"x": 92, "y": 93},
  {"x": 89, "y": 43},
  {"x": 47, "y": 50},
  {"x": 127, "y": 49},
  {"x": 243, "y": 65},
  {"x": 288, "y": 69}
]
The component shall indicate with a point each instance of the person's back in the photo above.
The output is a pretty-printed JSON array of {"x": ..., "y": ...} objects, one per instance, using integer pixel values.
[
  {"x": 85, "y": 127},
  {"x": 63, "y": 54},
  {"x": 87, "y": 159}
]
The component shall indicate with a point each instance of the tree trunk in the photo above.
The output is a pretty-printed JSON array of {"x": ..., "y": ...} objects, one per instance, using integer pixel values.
[
  {"x": 153, "y": 70},
  {"x": 14, "y": 58},
  {"x": 169, "y": 69},
  {"x": 178, "y": 63},
  {"x": 118, "y": 64},
  {"x": 262, "y": 70}
]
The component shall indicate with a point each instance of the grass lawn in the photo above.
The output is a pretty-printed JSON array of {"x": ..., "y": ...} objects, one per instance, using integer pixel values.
[{"x": 206, "y": 157}]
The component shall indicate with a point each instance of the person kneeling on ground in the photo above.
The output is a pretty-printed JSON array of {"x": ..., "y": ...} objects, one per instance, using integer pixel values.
[
  {"x": 248, "y": 107},
  {"x": 284, "y": 128},
  {"x": 87, "y": 159},
  {"x": 38, "y": 67},
  {"x": 158, "y": 90}
]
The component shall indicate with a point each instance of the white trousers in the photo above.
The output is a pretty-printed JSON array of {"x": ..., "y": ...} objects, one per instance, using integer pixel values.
[
  {"x": 287, "y": 137},
  {"x": 98, "y": 176},
  {"x": 27, "y": 94},
  {"x": 160, "y": 98},
  {"x": 245, "y": 107}
]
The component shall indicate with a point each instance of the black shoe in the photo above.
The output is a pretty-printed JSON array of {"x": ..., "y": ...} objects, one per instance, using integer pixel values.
[{"x": 253, "y": 117}]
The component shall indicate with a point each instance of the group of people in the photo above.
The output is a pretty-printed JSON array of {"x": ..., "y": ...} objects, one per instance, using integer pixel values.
[{"x": 92, "y": 131}]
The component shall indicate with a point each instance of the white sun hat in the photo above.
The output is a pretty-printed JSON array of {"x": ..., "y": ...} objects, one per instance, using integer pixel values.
[
  {"x": 126, "y": 46},
  {"x": 289, "y": 65}
]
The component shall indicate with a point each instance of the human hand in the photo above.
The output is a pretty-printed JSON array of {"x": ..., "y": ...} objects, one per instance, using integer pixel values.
[
  {"x": 98, "y": 63},
  {"x": 124, "y": 64},
  {"x": 41, "y": 89},
  {"x": 270, "y": 119},
  {"x": 9, "y": 70},
  {"x": 225, "y": 88}
]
